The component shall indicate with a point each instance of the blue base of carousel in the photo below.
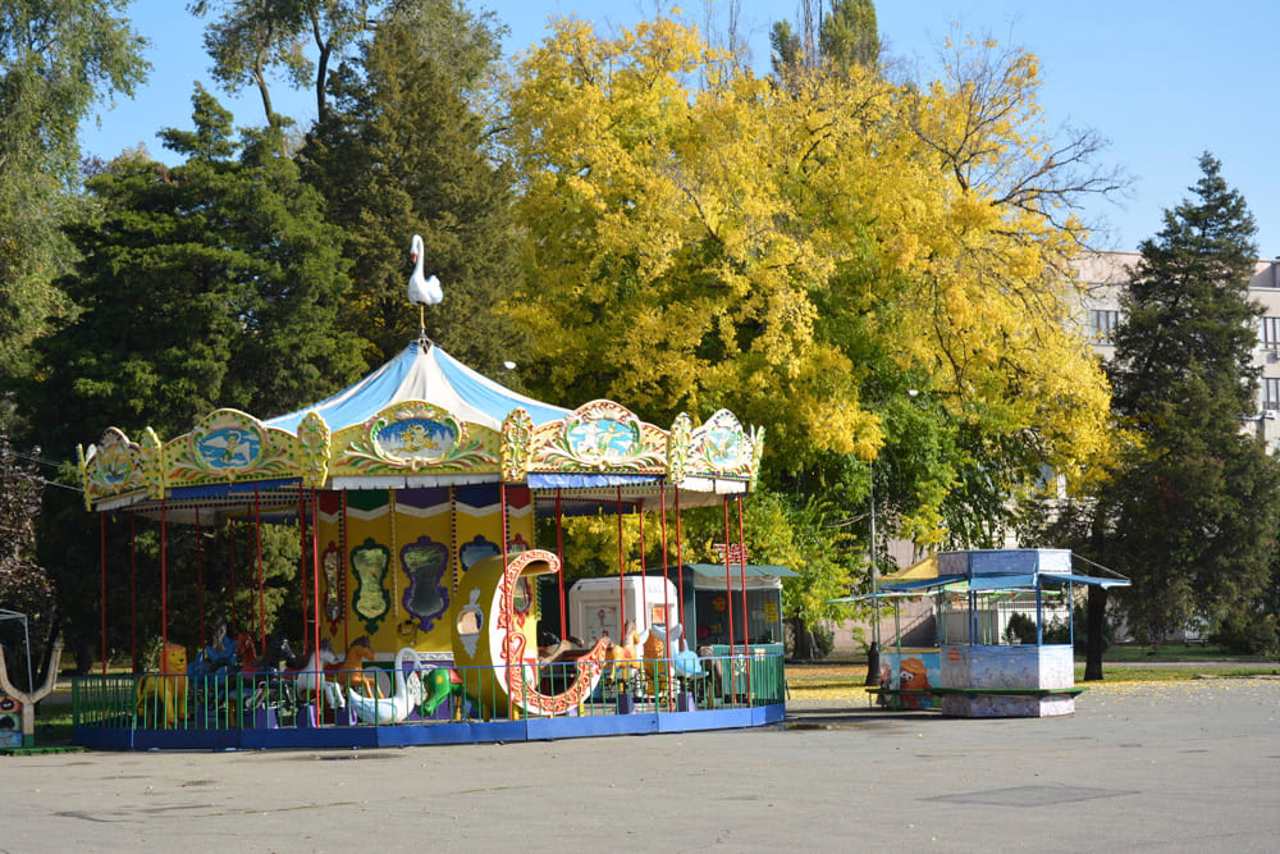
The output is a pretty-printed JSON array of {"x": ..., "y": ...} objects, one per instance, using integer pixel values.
[{"x": 410, "y": 734}]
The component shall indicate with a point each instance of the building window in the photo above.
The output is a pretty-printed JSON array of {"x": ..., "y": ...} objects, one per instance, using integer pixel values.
[
  {"x": 1271, "y": 393},
  {"x": 1102, "y": 324},
  {"x": 1271, "y": 332}
]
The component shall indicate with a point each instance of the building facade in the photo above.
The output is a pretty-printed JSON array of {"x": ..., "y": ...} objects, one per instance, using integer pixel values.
[{"x": 1104, "y": 275}]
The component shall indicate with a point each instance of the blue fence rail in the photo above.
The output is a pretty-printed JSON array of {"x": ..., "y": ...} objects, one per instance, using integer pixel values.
[{"x": 377, "y": 696}]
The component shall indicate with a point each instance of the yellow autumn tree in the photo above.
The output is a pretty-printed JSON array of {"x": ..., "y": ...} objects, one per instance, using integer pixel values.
[{"x": 698, "y": 236}]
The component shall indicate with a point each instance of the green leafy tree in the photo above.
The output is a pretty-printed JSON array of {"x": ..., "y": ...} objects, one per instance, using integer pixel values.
[
  {"x": 251, "y": 39},
  {"x": 57, "y": 59},
  {"x": 404, "y": 150},
  {"x": 1191, "y": 516}
]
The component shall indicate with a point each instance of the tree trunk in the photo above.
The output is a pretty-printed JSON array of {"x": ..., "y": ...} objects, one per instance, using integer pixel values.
[{"x": 1097, "y": 613}]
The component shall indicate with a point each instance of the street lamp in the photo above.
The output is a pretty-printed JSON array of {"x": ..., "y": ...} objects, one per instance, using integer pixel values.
[{"x": 873, "y": 651}]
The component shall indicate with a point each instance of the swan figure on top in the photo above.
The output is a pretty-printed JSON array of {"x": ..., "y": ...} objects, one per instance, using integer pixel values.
[{"x": 422, "y": 290}]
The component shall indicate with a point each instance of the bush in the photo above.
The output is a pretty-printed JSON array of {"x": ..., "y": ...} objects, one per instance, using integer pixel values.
[{"x": 1250, "y": 634}]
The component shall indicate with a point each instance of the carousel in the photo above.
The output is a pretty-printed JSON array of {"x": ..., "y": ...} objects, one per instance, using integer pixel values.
[{"x": 414, "y": 494}]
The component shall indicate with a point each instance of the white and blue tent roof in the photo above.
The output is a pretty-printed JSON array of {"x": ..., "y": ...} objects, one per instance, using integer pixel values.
[{"x": 427, "y": 373}]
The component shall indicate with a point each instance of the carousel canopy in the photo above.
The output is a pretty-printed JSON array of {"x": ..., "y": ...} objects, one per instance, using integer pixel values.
[
  {"x": 426, "y": 420},
  {"x": 428, "y": 374}
]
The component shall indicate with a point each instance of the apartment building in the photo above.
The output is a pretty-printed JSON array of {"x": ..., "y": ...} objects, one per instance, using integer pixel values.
[{"x": 1104, "y": 274}]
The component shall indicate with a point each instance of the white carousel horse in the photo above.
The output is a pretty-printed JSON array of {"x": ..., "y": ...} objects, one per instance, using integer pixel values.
[
  {"x": 422, "y": 290},
  {"x": 408, "y": 695},
  {"x": 305, "y": 678}
]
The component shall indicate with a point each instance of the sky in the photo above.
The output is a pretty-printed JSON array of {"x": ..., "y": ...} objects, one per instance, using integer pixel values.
[{"x": 1162, "y": 81}]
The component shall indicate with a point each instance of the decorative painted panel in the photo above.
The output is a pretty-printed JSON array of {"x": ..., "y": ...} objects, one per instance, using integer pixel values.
[
  {"x": 414, "y": 436},
  {"x": 370, "y": 601},
  {"x": 678, "y": 442},
  {"x": 228, "y": 445},
  {"x": 517, "y": 445},
  {"x": 600, "y": 436},
  {"x": 313, "y": 450},
  {"x": 425, "y": 563},
  {"x": 720, "y": 447},
  {"x": 112, "y": 467}
]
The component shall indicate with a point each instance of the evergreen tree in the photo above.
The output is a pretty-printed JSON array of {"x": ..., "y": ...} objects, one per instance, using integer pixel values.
[
  {"x": 402, "y": 152},
  {"x": 848, "y": 35},
  {"x": 1191, "y": 516},
  {"x": 214, "y": 283}
]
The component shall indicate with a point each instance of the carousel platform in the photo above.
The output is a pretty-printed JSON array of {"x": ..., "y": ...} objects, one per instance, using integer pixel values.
[{"x": 125, "y": 737}]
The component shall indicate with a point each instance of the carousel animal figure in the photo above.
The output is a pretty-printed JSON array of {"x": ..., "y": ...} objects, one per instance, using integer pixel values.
[
  {"x": 442, "y": 683},
  {"x": 408, "y": 695},
  {"x": 350, "y": 670},
  {"x": 168, "y": 687},
  {"x": 246, "y": 651},
  {"x": 306, "y": 677},
  {"x": 686, "y": 662},
  {"x": 626, "y": 658}
]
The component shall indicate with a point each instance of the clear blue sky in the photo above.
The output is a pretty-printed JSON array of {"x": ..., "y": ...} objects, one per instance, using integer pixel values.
[{"x": 1162, "y": 80}]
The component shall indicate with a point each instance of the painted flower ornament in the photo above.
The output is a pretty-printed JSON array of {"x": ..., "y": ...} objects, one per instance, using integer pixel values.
[{"x": 422, "y": 290}]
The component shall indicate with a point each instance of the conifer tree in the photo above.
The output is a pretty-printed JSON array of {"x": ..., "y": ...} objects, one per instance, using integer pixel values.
[
  {"x": 405, "y": 151},
  {"x": 1191, "y": 516}
]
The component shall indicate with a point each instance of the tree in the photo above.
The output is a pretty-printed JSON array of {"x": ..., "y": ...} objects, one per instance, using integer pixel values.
[
  {"x": 214, "y": 283},
  {"x": 24, "y": 585},
  {"x": 57, "y": 59},
  {"x": 801, "y": 258},
  {"x": 848, "y": 35},
  {"x": 1191, "y": 516},
  {"x": 404, "y": 150},
  {"x": 253, "y": 38}
]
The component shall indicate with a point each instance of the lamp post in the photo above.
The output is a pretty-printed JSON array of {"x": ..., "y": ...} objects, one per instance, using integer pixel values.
[{"x": 873, "y": 651}]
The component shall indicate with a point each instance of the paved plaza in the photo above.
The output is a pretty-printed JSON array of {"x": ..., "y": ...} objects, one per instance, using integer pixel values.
[{"x": 1192, "y": 766}]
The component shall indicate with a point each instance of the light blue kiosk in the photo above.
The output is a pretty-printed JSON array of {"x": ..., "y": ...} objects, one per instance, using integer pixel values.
[{"x": 978, "y": 676}]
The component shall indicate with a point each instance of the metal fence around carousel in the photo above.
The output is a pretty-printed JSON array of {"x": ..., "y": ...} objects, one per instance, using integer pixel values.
[{"x": 279, "y": 700}]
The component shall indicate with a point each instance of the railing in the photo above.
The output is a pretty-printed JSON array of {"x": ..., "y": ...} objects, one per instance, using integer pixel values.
[{"x": 239, "y": 700}]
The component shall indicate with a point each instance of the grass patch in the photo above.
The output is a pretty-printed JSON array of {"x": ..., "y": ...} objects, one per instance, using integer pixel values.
[{"x": 1174, "y": 652}]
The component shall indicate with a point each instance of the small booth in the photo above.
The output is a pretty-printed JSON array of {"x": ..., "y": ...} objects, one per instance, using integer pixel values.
[{"x": 971, "y": 672}]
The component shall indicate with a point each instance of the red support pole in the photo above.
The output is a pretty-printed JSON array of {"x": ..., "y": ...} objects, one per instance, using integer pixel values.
[
  {"x": 133, "y": 592},
  {"x": 164, "y": 583},
  {"x": 200, "y": 568},
  {"x": 102, "y": 591},
  {"x": 502, "y": 508},
  {"x": 342, "y": 560},
  {"x": 564, "y": 617},
  {"x": 233, "y": 535},
  {"x": 728, "y": 586},
  {"x": 262, "y": 598},
  {"x": 622, "y": 569},
  {"x": 644, "y": 583},
  {"x": 680, "y": 557},
  {"x": 668, "y": 653},
  {"x": 302, "y": 569},
  {"x": 315, "y": 602},
  {"x": 742, "y": 574}
]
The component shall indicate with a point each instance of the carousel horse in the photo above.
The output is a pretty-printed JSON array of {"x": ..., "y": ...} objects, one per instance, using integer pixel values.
[
  {"x": 169, "y": 686},
  {"x": 350, "y": 671},
  {"x": 409, "y": 694},
  {"x": 626, "y": 657},
  {"x": 305, "y": 677}
]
